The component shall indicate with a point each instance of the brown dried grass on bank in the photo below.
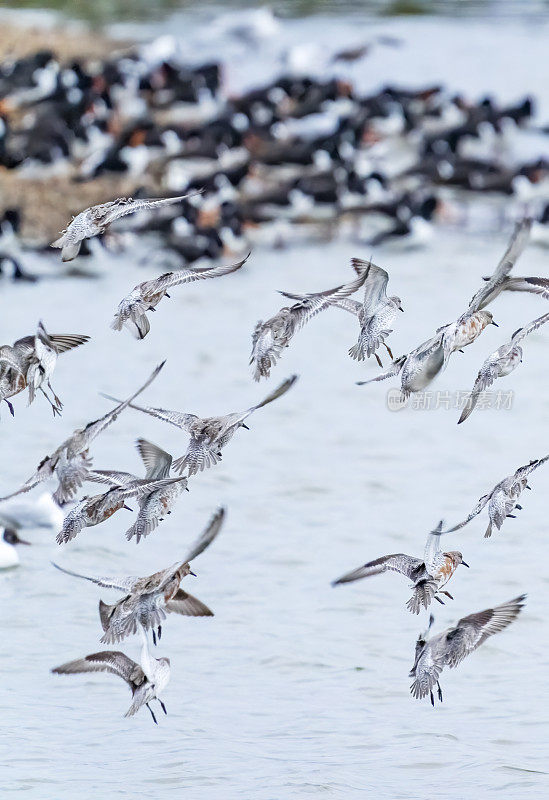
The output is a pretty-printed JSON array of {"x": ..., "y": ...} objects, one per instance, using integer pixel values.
[
  {"x": 47, "y": 204},
  {"x": 66, "y": 41}
]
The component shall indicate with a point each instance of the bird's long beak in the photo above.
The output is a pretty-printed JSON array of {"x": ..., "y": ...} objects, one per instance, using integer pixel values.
[
  {"x": 465, "y": 565},
  {"x": 494, "y": 323},
  {"x": 400, "y": 308},
  {"x": 22, "y": 541},
  {"x": 245, "y": 426},
  {"x": 192, "y": 573},
  {"x": 127, "y": 507}
]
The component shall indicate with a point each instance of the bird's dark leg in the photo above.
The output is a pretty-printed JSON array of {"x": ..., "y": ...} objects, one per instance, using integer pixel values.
[
  {"x": 159, "y": 632},
  {"x": 528, "y": 487},
  {"x": 151, "y": 308},
  {"x": 163, "y": 706},
  {"x": 388, "y": 350},
  {"x": 152, "y": 713},
  {"x": 432, "y": 699},
  {"x": 167, "y": 295},
  {"x": 439, "y": 692},
  {"x": 154, "y": 637},
  {"x": 52, "y": 404},
  {"x": 439, "y": 600},
  {"x": 12, "y": 411},
  {"x": 461, "y": 351},
  {"x": 513, "y": 516},
  {"x": 447, "y": 594},
  {"x": 519, "y": 507},
  {"x": 378, "y": 359},
  {"x": 57, "y": 400}
]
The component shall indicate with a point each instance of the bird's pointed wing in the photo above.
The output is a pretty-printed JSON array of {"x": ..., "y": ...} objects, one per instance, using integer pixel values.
[
  {"x": 485, "y": 378},
  {"x": 121, "y": 583},
  {"x": 278, "y": 392},
  {"x": 523, "y": 472},
  {"x": 187, "y": 605},
  {"x": 67, "y": 341},
  {"x": 177, "y": 418},
  {"x": 522, "y": 333},
  {"x": 346, "y": 304},
  {"x": 309, "y": 305},
  {"x": 476, "y": 510},
  {"x": 107, "y": 661},
  {"x": 157, "y": 461},
  {"x": 189, "y": 275},
  {"x": 534, "y": 285},
  {"x": 93, "y": 429},
  {"x": 518, "y": 242},
  {"x": 110, "y": 477},
  {"x": 375, "y": 286},
  {"x": 397, "y": 562},
  {"x": 432, "y": 544},
  {"x": 122, "y": 207},
  {"x": 390, "y": 372},
  {"x": 473, "y": 630},
  {"x": 208, "y": 535}
]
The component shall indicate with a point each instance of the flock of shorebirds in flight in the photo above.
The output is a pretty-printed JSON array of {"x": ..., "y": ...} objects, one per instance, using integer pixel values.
[{"x": 145, "y": 603}]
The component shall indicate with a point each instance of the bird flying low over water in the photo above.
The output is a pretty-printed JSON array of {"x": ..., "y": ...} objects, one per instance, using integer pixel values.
[
  {"x": 449, "y": 648},
  {"x": 428, "y": 575},
  {"x": 30, "y": 362},
  {"x": 148, "y": 600},
  {"x": 132, "y": 311},
  {"x": 416, "y": 369},
  {"x": 96, "y": 219},
  {"x": 94, "y": 510},
  {"x": 71, "y": 462},
  {"x": 470, "y": 324},
  {"x": 502, "y": 500},
  {"x": 500, "y": 363},
  {"x": 147, "y": 680},
  {"x": 271, "y": 337},
  {"x": 158, "y": 502},
  {"x": 376, "y": 313},
  {"x": 209, "y": 435}
]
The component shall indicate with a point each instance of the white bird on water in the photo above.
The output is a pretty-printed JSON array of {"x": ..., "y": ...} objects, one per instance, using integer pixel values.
[{"x": 9, "y": 556}]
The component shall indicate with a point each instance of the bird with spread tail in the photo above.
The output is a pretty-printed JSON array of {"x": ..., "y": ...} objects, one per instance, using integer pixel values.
[
  {"x": 271, "y": 337},
  {"x": 132, "y": 310},
  {"x": 428, "y": 575},
  {"x": 71, "y": 462},
  {"x": 148, "y": 600},
  {"x": 375, "y": 314},
  {"x": 499, "y": 364},
  {"x": 96, "y": 219},
  {"x": 209, "y": 435},
  {"x": 146, "y": 680},
  {"x": 30, "y": 362},
  {"x": 155, "y": 504},
  {"x": 502, "y": 500},
  {"x": 449, "y": 648}
]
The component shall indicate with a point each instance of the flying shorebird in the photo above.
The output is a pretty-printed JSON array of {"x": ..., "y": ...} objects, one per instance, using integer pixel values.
[
  {"x": 209, "y": 435},
  {"x": 472, "y": 322},
  {"x": 428, "y": 575},
  {"x": 154, "y": 505},
  {"x": 375, "y": 314},
  {"x": 500, "y": 363},
  {"x": 147, "y": 600},
  {"x": 96, "y": 219},
  {"x": 450, "y": 647},
  {"x": 271, "y": 337},
  {"x": 417, "y": 368},
  {"x": 132, "y": 311},
  {"x": 30, "y": 361},
  {"x": 146, "y": 681},
  {"x": 503, "y": 499},
  {"x": 71, "y": 462},
  {"x": 90, "y": 511}
]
